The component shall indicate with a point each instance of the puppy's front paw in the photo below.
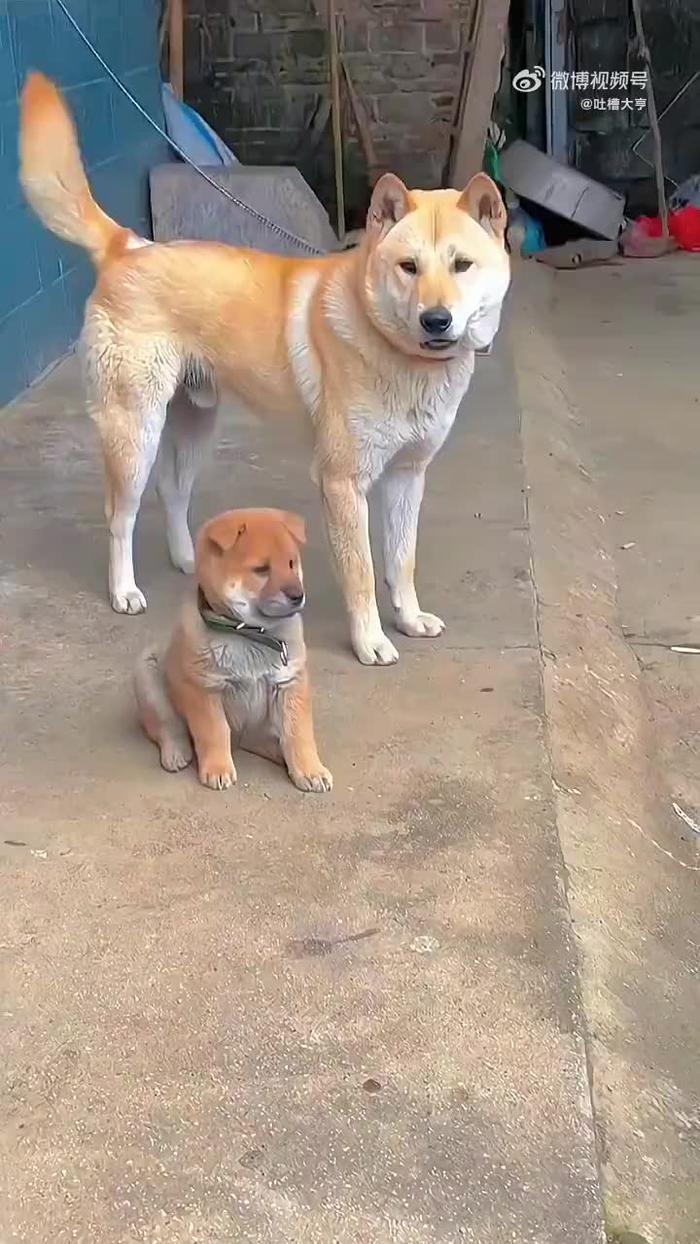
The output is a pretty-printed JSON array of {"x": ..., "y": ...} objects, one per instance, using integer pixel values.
[
  {"x": 318, "y": 779},
  {"x": 217, "y": 775},
  {"x": 420, "y": 625}
]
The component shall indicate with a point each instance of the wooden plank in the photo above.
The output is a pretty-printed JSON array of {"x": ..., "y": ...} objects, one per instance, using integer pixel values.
[
  {"x": 484, "y": 72},
  {"x": 643, "y": 50},
  {"x": 556, "y": 109},
  {"x": 336, "y": 116},
  {"x": 176, "y": 53},
  {"x": 363, "y": 125}
]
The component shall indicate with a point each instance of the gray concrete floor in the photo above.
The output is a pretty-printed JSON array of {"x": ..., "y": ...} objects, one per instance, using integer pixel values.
[
  {"x": 628, "y": 337},
  {"x": 631, "y": 343},
  {"x": 391, "y": 1014},
  {"x": 260, "y": 1016},
  {"x": 607, "y": 371}
]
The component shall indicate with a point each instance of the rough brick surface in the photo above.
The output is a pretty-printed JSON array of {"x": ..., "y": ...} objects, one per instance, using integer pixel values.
[{"x": 259, "y": 72}]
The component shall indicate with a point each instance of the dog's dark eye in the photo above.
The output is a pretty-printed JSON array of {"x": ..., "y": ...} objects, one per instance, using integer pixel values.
[
  {"x": 291, "y": 565},
  {"x": 264, "y": 569},
  {"x": 409, "y": 265},
  {"x": 462, "y": 265}
]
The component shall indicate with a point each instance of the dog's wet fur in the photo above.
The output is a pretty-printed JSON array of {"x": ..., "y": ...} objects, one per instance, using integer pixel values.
[{"x": 374, "y": 345}]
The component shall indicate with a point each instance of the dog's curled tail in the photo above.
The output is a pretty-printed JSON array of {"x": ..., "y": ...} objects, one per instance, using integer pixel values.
[{"x": 53, "y": 177}]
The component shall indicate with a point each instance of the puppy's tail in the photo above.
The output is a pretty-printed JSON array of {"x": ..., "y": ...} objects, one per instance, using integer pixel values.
[{"x": 53, "y": 177}]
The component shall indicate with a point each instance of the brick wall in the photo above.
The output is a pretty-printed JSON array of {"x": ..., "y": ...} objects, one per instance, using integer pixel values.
[
  {"x": 45, "y": 282},
  {"x": 258, "y": 70}
]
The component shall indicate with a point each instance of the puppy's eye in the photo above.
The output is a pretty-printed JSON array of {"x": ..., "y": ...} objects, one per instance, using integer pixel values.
[
  {"x": 409, "y": 265},
  {"x": 263, "y": 569},
  {"x": 291, "y": 565},
  {"x": 462, "y": 265}
]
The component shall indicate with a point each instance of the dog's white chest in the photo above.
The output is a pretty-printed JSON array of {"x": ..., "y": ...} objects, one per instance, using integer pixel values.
[{"x": 407, "y": 420}]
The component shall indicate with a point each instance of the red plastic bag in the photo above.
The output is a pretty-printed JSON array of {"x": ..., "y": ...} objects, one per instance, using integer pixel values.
[
  {"x": 642, "y": 239},
  {"x": 684, "y": 226},
  {"x": 648, "y": 226}
]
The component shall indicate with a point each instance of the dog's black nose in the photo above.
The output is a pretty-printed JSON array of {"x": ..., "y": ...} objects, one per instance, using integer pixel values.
[
  {"x": 295, "y": 598},
  {"x": 436, "y": 320}
]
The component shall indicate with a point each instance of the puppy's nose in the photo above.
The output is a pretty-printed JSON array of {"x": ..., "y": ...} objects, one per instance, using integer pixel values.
[
  {"x": 295, "y": 596},
  {"x": 436, "y": 320}
]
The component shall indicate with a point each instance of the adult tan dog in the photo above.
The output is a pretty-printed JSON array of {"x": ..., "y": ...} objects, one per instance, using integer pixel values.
[
  {"x": 235, "y": 667},
  {"x": 376, "y": 345}
]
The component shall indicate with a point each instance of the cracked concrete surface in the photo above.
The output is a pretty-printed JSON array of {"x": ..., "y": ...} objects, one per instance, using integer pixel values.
[
  {"x": 260, "y": 1016},
  {"x": 608, "y": 372},
  {"x": 256, "y": 1016}
]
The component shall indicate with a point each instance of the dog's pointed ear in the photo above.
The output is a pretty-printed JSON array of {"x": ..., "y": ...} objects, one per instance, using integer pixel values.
[
  {"x": 482, "y": 199},
  {"x": 222, "y": 533},
  {"x": 389, "y": 203},
  {"x": 296, "y": 527}
]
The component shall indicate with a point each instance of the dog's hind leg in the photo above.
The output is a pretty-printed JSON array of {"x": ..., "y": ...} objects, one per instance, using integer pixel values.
[
  {"x": 158, "y": 717},
  {"x": 187, "y": 436},
  {"x": 129, "y": 458},
  {"x": 128, "y": 401}
]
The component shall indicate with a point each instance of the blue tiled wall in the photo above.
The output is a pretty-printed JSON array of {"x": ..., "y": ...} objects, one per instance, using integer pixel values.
[{"x": 44, "y": 282}]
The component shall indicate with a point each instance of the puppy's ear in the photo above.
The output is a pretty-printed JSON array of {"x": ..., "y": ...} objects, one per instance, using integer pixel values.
[
  {"x": 390, "y": 202},
  {"x": 222, "y": 533},
  {"x": 482, "y": 199},
  {"x": 296, "y": 527}
]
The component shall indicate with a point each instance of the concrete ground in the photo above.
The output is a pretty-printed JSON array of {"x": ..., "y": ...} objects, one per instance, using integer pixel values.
[
  {"x": 263, "y": 1016},
  {"x": 627, "y": 337},
  {"x": 454, "y": 1000}
]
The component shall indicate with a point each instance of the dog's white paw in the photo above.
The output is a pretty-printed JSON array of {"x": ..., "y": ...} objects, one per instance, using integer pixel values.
[
  {"x": 319, "y": 781},
  {"x": 175, "y": 755},
  {"x": 131, "y": 601},
  {"x": 182, "y": 554},
  {"x": 420, "y": 625},
  {"x": 373, "y": 647},
  {"x": 218, "y": 777},
  {"x": 184, "y": 563}
]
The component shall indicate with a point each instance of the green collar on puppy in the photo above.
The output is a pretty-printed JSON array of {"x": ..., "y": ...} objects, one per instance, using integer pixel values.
[{"x": 229, "y": 622}]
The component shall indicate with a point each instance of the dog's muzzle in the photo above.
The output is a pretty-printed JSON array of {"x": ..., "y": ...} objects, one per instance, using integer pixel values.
[
  {"x": 436, "y": 323},
  {"x": 282, "y": 605}
]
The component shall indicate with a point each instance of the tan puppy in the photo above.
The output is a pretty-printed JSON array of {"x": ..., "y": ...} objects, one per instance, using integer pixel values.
[
  {"x": 234, "y": 671},
  {"x": 375, "y": 345}
]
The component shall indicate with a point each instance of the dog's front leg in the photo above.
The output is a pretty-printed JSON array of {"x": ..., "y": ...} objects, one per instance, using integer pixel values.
[
  {"x": 207, "y": 723},
  {"x": 402, "y": 493},
  {"x": 347, "y": 520},
  {"x": 297, "y": 739}
]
